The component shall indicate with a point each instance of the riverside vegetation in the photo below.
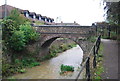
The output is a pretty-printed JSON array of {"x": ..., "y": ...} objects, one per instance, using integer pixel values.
[
  {"x": 17, "y": 35},
  {"x": 99, "y": 59},
  {"x": 54, "y": 50},
  {"x": 99, "y": 69}
]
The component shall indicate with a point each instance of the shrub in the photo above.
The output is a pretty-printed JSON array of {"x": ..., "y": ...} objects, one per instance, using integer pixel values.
[
  {"x": 7, "y": 28},
  {"x": 29, "y": 62},
  {"x": 22, "y": 70},
  {"x": 65, "y": 68},
  {"x": 29, "y": 32},
  {"x": 17, "y": 41}
]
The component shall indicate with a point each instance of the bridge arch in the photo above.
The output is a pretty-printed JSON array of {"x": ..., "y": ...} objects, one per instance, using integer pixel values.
[
  {"x": 78, "y": 34},
  {"x": 48, "y": 42},
  {"x": 52, "y": 38}
]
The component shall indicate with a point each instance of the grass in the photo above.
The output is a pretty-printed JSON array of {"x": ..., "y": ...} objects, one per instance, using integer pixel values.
[{"x": 99, "y": 69}]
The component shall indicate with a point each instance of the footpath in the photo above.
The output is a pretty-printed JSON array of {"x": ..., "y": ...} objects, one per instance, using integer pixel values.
[{"x": 110, "y": 59}]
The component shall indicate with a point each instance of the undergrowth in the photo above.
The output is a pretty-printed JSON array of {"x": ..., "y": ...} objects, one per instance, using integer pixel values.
[
  {"x": 54, "y": 50},
  {"x": 99, "y": 69}
]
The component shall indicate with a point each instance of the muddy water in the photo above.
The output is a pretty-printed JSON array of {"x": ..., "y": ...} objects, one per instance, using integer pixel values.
[{"x": 50, "y": 69}]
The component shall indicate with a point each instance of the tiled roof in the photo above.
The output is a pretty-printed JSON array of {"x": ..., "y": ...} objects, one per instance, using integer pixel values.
[
  {"x": 22, "y": 11},
  {"x": 32, "y": 13},
  {"x": 10, "y": 8},
  {"x": 38, "y": 15}
]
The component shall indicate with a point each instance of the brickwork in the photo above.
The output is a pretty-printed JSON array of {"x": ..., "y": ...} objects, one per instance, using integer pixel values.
[{"x": 78, "y": 34}]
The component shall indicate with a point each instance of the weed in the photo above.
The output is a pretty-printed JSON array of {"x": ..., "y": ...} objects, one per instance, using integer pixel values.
[
  {"x": 22, "y": 70},
  {"x": 99, "y": 69},
  {"x": 65, "y": 68}
]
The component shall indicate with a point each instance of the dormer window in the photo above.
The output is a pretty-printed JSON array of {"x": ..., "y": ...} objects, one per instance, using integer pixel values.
[
  {"x": 27, "y": 15},
  {"x": 45, "y": 20},
  {"x": 39, "y": 18},
  {"x": 49, "y": 20},
  {"x": 34, "y": 16}
]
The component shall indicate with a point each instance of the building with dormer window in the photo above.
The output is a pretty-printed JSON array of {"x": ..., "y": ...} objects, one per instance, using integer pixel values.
[
  {"x": 26, "y": 13},
  {"x": 39, "y": 17},
  {"x": 30, "y": 15}
]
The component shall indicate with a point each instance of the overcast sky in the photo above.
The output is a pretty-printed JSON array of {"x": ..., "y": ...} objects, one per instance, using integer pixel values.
[{"x": 84, "y": 12}]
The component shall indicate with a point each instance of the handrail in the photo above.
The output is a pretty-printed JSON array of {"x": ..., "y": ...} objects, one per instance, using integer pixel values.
[{"x": 97, "y": 43}]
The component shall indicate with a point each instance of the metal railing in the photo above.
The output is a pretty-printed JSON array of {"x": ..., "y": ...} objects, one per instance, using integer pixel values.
[{"x": 86, "y": 64}]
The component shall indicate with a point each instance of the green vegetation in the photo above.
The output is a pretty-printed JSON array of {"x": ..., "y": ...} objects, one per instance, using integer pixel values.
[
  {"x": 99, "y": 69},
  {"x": 17, "y": 41},
  {"x": 39, "y": 23},
  {"x": 17, "y": 34},
  {"x": 61, "y": 48},
  {"x": 18, "y": 66},
  {"x": 92, "y": 39},
  {"x": 29, "y": 32},
  {"x": 113, "y": 17},
  {"x": 54, "y": 50},
  {"x": 18, "y": 37},
  {"x": 104, "y": 33},
  {"x": 65, "y": 68}
]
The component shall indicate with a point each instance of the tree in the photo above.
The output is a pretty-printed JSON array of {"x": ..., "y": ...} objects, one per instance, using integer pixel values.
[
  {"x": 113, "y": 12},
  {"x": 113, "y": 16}
]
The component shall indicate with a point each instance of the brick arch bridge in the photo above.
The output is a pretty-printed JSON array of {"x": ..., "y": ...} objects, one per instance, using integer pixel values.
[{"x": 76, "y": 33}]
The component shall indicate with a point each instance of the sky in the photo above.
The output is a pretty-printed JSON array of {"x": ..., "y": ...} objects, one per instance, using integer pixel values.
[{"x": 84, "y": 12}]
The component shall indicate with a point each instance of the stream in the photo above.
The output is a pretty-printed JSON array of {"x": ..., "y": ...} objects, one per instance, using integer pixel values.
[{"x": 50, "y": 69}]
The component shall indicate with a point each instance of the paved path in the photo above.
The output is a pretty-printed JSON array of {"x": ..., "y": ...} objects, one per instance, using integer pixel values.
[{"x": 110, "y": 59}]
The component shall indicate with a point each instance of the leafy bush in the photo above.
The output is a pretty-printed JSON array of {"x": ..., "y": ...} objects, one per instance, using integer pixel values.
[
  {"x": 7, "y": 28},
  {"x": 29, "y": 32},
  {"x": 65, "y": 68},
  {"x": 27, "y": 61},
  {"x": 16, "y": 35},
  {"x": 18, "y": 38},
  {"x": 17, "y": 41}
]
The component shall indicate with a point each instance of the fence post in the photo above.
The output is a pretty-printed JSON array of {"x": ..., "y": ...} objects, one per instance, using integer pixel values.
[
  {"x": 96, "y": 30},
  {"x": 98, "y": 44},
  {"x": 88, "y": 69},
  {"x": 109, "y": 31},
  {"x": 94, "y": 60}
]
